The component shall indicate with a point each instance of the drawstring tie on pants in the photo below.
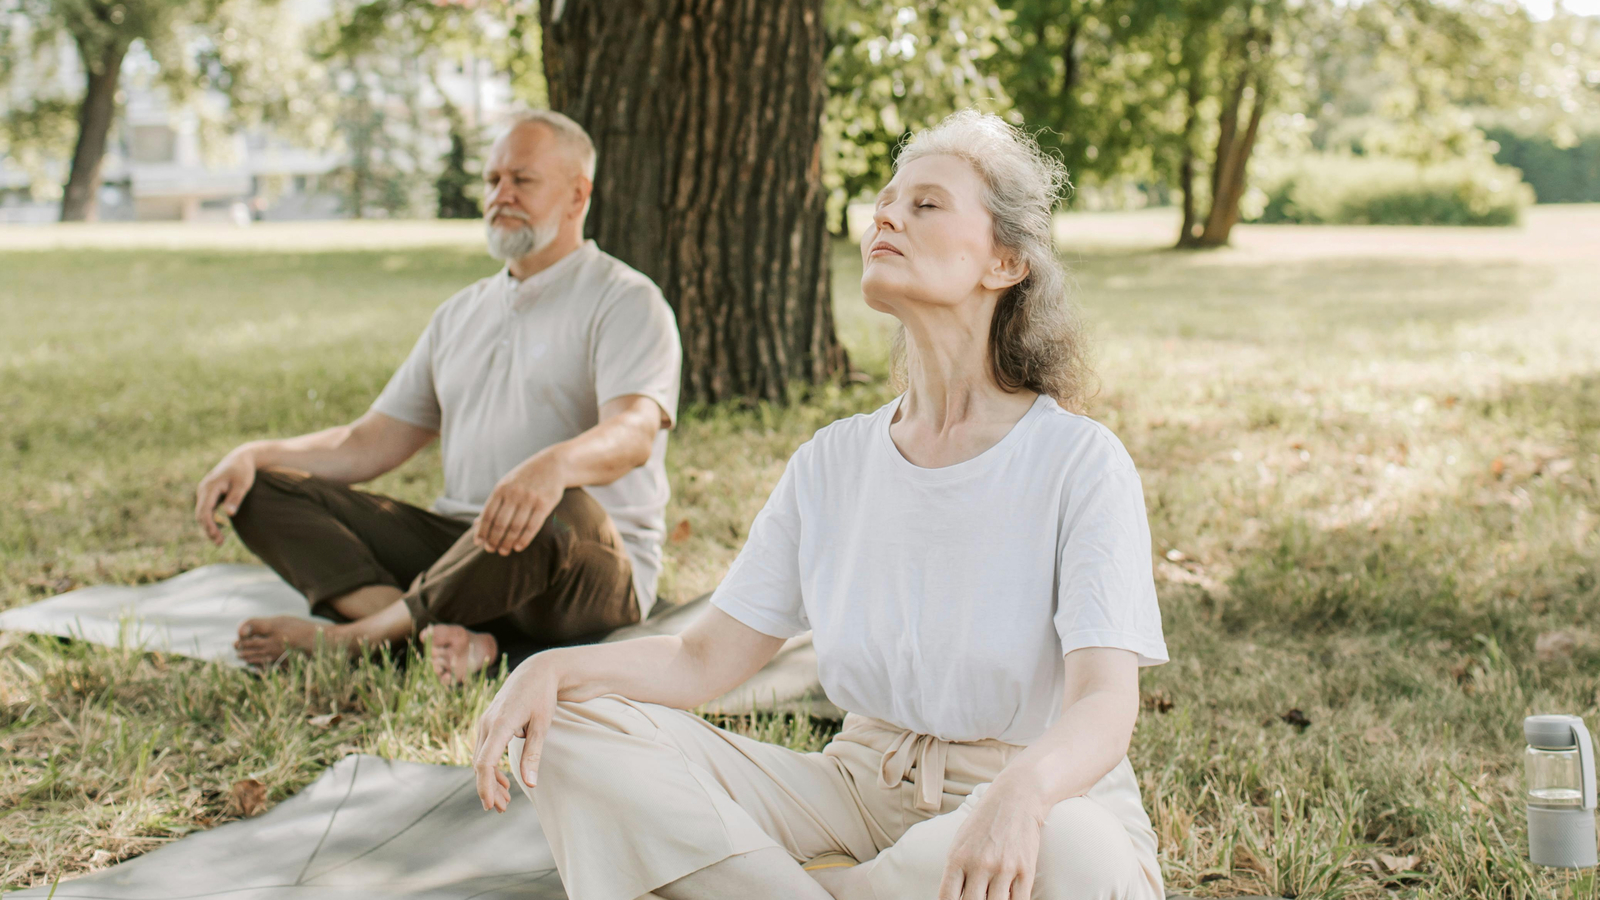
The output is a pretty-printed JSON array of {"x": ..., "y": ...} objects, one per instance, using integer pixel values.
[{"x": 926, "y": 754}]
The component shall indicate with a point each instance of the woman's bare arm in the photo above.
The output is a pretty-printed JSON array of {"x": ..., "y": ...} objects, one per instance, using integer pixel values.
[
  {"x": 999, "y": 841},
  {"x": 713, "y": 656},
  {"x": 1098, "y": 709}
]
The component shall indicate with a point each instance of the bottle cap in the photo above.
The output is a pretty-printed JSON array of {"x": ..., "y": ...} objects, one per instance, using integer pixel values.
[{"x": 1551, "y": 732}]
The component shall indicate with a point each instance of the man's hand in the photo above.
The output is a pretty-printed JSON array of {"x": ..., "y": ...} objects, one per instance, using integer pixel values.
[
  {"x": 522, "y": 708},
  {"x": 226, "y": 483},
  {"x": 995, "y": 853},
  {"x": 519, "y": 505}
]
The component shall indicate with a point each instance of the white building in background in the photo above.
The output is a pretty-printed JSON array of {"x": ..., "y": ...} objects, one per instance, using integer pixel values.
[{"x": 156, "y": 166}]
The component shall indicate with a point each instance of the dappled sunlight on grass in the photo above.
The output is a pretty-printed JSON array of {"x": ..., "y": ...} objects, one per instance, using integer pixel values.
[{"x": 1371, "y": 461}]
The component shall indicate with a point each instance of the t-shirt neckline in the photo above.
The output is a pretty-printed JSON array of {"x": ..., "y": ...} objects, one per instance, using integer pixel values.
[
  {"x": 967, "y": 466},
  {"x": 517, "y": 291}
]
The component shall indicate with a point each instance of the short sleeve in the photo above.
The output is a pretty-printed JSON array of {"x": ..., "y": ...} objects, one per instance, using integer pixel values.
[
  {"x": 1107, "y": 594},
  {"x": 637, "y": 350},
  {"x": 762, "y": 587},
  {"x": 409, "y": 396}
]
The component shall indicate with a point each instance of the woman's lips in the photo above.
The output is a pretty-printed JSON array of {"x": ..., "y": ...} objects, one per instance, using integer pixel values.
[{"x": 884, "y": 246}]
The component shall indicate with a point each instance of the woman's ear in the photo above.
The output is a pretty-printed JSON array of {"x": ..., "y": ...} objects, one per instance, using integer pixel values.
[{"x": 1006, "y": 271}]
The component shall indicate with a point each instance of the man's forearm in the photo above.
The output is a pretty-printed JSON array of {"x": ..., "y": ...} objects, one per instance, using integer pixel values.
[
  {"x": 604, "y": 453},
  {"x": 332, "y": 453}
]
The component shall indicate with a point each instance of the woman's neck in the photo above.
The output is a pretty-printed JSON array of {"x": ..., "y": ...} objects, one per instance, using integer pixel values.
[{"x": 953, "y": 408}]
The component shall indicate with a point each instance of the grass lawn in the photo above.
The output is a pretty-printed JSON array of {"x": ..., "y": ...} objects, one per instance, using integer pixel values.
[{"x": 1371, "y": 459}]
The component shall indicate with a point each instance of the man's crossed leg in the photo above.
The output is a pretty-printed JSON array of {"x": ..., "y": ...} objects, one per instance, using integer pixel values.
[{"x": 385, "y": 571}]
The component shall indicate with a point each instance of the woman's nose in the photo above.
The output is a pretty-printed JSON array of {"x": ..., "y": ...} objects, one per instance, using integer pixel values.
[{"x": 883, "y": 217}]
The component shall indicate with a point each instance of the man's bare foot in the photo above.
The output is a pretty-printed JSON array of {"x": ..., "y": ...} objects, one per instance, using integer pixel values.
[
  {"x": 263, "y": 642},
  {"x": 457, "y": 652}
]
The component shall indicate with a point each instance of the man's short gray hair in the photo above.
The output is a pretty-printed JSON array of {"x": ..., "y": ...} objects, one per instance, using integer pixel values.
[{"x": 569, "y": 133}]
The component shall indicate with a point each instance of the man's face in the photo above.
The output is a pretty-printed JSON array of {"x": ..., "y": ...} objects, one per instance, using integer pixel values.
[{"x": 530, "y": 183}]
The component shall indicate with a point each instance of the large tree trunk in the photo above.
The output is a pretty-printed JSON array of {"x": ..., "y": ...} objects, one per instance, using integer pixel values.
[
  {"x": 707, "y": 117},
  {"x": 80, "y": 199}
]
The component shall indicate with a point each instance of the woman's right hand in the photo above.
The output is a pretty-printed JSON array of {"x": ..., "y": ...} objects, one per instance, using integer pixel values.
[
  {"x": 522, "y": 708},
  {"x": 227, "y": 483}
]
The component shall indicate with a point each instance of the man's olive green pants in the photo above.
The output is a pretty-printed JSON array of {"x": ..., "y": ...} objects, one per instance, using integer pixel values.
[{"x": 572, "y": 583}]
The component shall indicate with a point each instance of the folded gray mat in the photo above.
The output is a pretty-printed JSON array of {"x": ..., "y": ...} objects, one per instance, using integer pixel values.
[
  {"x": 194, "y": 614},
  {"x": 198, "y": 614},
  {"x": 367, "y": 828}
]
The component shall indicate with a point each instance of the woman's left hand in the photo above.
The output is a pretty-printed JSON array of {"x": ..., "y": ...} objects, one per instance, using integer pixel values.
[{"x": 996, "y": 850}]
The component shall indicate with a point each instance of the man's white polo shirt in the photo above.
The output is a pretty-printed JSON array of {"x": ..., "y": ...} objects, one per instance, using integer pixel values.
[{"x": 507, "y": 368}]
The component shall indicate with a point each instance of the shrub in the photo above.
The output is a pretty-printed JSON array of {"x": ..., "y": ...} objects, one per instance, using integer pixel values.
[
  {"x": 1556, "y": 174},
  {"x": 1367, "y": 190}
]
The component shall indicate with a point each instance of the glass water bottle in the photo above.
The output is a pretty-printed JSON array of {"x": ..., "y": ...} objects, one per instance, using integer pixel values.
[{"x": 1559, "y": 763}]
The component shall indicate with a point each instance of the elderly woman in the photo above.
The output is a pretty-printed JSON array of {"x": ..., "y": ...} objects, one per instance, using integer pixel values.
[{"x": 973, "y": 561}]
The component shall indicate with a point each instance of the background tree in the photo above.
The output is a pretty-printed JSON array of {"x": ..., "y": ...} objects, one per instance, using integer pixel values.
[
  {"x": 1087, "y": 76},
  {"x": 388, "y": 55},
  {"x": 708, "y": 119},
  {"x": 246, "y": 49},
  {"x": 893, "y": 68}
]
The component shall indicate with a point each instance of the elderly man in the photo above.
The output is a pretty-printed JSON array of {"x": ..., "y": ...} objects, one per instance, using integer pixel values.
[{"x": 551, "y": 385}]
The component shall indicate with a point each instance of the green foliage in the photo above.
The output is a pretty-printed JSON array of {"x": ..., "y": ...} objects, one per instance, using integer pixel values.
[
  {"x": 249, "y": 51},
  {"x": 1372, "y": 480},
  {"x": 1557, "y": 174},
  {"x": 895, "y": 67},
  {"x": 455, "y": 186},
  {"x": 1364, "y": 190},
  {"x": 383, "y": 57},
  {"x": 1093, "y": 78}
]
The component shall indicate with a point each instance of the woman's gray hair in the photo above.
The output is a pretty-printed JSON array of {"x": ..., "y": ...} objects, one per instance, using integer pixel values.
[{"x": 1036, "y": 339}]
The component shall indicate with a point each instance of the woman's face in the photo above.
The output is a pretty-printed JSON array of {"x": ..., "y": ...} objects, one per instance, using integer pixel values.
[{"x": 931, "y": 239}]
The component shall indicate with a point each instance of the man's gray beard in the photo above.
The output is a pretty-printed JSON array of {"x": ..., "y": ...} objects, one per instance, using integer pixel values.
[{"x": 506, "y": 245}]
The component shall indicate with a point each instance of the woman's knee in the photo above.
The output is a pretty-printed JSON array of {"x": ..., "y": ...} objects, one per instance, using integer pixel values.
[
  {"x": 1085, "y": 853},
  {"x": 575, "y": 746}
]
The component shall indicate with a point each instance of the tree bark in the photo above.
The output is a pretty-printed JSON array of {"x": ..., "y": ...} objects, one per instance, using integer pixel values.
[
  {"x": 1229, "y": 189},
  {"x": 80, "y": 199},
  {"x": 707, "y": 118},
  {"x": 1069, "y": 61},
  {"x": 1191, "y": 123}
]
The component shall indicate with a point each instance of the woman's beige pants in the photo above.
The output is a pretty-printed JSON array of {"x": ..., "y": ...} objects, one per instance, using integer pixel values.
[{"x": 633, "y": 796}]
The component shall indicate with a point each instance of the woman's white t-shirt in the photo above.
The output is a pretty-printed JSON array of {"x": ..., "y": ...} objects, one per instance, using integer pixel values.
[{"x": 943, "y": 600}]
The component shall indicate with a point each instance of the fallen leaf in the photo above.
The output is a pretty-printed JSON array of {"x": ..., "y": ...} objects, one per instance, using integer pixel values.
[
  {"x": 1498, "y": 467},
  {"x": 1556, "y": 467},
  {"x": 1395, "y": 864},
  {"x": 1176, "y": 555},
  {"x": 1296, "y": 718},
  {"x": 247, "y": 797},
  {"x": 101, "y": 857},
  {"x": 326, "y": 720},
  {"x": 1157, "y": 701},
  {"x": 680, "y": 532},
  {"x": 1379, "y": 734},
  {"x": 1554, "y": 646}
]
